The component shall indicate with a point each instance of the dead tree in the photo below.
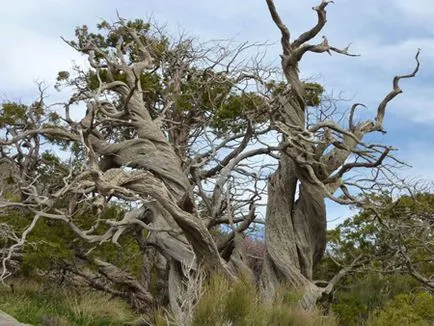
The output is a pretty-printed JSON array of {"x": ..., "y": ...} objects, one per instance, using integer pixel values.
[{"x": 296, "y": 227}]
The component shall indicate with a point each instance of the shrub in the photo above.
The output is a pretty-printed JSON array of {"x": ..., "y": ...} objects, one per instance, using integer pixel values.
[
  {"x": 359, "y": 297},
  {"x": 416, "y": 309}
]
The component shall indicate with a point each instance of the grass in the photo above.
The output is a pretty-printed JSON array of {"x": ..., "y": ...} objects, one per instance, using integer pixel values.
[
  {"x": 222, "y": 303},
  {"x": 40, "y": 303},
  {"x": 227, "y": 304},
  {"x": 239, "y": 305}
]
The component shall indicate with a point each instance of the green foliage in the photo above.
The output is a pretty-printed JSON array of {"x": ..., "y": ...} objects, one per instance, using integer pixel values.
[
  {"x": 359, "y": 297},
  {"x": 199, "y": 93},
  {"x": 312, "y": 96},
  {"x": 20, "y": 118},
  {"x": 313, "y": 93},
  {"x": 371, "y": 292},
  {"x": 39, "y": 303},
  {"x": 62, "y": 75},
  {"x": 12, "y": 113},
  {"x": 376, "y": 234},
  {"x": 50, "y": 242},
  {"x": 109, "y": 36},
  {"x": 127, "y": 256},
  {"x": 233, "y": 113},
  {"x": 53, "y": 117},
  {"x": 416, "y": 309}
]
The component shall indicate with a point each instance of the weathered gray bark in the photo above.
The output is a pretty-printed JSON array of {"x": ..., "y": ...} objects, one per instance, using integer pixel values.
[
  {"x": 296, "y": 222},
  {"x": 296, "y": 227},
  {"x": 151, "y": 151},
  {"x": 134, "y": 292},
  {"x": 295, "y": 233},
  {"x": 189, "y": 241}
]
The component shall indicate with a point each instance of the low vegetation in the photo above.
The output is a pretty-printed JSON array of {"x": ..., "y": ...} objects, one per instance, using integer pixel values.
[
  {"x": 51, "y": 304},
  {"x": 370, "y": 301},
  {"x": 47, "y": 304},
  {"x": 223, "y": 303}
]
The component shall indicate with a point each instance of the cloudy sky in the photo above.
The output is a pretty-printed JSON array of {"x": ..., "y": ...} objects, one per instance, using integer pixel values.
[{"x": 385, "y": 33}]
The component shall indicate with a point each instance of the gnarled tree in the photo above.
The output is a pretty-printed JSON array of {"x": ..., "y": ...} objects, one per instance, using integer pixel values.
[{"x": 185, "y": 135}]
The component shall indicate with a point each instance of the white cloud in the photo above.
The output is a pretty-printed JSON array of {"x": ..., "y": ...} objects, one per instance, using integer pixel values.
[
  {"x": 396, "y": 57},
  {"x": 418, "y": 11},
  {"x": 29, "y": 56},
  {"x": 421, "y": 158}
]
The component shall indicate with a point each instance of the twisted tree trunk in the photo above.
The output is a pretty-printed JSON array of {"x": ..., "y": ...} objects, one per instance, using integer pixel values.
[
  {"x": 296, "y": 225},
  {"x": 296, "y": 222},
  {"x": 295, "y": 231}
]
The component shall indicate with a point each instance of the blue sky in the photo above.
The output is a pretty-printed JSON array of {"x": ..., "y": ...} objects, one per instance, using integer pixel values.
[{"x": 385, "y": 33}]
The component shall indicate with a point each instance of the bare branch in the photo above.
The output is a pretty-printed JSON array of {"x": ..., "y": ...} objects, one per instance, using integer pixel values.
[
  {"x": 322, "y": 19},
  {"x": 282, "y": 27},
  {"x": 378, "y": 126}
]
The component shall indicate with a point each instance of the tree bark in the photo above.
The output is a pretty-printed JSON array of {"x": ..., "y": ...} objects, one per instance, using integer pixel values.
[
  {"x": 294, "y": 234},
  {"x": 295, "y": 230}
]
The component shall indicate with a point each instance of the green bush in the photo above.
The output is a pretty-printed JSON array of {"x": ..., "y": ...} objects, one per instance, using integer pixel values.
[
  {"x": 416, "y": 309},
  {"x": 359, "y": 297},
  {"x": 51, "y": 242}
]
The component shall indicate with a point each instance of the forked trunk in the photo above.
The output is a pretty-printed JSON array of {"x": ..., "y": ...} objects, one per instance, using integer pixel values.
[{"x": 294, "y": 233}]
